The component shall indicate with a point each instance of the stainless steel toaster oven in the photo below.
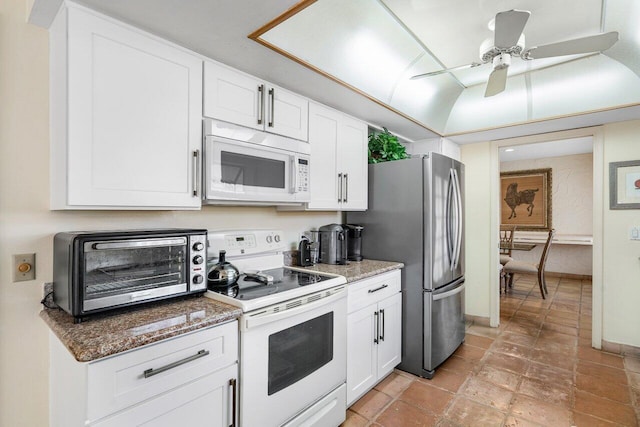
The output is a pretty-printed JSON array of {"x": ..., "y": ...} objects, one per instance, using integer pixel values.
[{"x": 98, "y": 271}]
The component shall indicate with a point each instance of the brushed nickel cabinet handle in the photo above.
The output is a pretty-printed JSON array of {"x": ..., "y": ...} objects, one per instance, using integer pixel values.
[
  {"x": 378, "y": 289},
  {"x": 346, "y": 187},
  {"x": 339, "y": 187},
  {"x": 151, "y": 372},
  {"x": 261, "y": 104},
  {"x": 232, "y": 383},
  {"x": 272, "y": 114},
  {"x": 196, "y": 172},
  {"x": 382, "y": 317},
  {"x": 377, "y": 328}
]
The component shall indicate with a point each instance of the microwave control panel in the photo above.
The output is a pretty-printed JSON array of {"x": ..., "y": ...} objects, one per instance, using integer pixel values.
[
  {"x": 302, "y": 181},
  {"x": 198, "y": 264}
]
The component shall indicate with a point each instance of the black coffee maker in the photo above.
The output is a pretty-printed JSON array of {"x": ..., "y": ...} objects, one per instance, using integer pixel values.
[{"x": 354, "y": 241}]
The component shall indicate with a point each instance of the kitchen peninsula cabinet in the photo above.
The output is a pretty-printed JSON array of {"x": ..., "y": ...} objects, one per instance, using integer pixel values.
[
  {"x": 338, "y": 172},
  {"x": 239, "y": 98},
  {"x": 126, "y": 110},
  {"x": 188, "y": 380},
  {"x": 374, "y": 331}
]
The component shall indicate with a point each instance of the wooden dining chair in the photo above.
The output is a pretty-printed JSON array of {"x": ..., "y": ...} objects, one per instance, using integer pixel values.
[
  {"x": 506, "y": 246},
  {"x": 514, "y": 266}
]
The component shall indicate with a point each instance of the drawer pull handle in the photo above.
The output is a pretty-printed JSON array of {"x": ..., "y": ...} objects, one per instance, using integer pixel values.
[
  {"x": 151, "y": 372},
  {"x": 378, "y": 289},
  {"x": 232, "y": 383}
]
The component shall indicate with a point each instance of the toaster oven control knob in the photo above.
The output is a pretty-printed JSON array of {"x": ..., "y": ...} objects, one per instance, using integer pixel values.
[
  {"x": 198, "y": 260},
  {"x": 198, "y": 279},
  {"x": 198, "y": 246}
]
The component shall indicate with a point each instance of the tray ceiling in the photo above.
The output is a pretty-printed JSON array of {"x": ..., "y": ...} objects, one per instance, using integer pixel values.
[{"x": 374, "y": 46}]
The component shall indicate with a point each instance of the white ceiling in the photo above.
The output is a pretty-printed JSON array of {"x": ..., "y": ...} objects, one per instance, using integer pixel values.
[{"x": 450, "y": 30}]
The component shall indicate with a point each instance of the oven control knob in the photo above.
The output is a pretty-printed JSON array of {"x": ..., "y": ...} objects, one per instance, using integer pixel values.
[
  {"x": 198, "y": 279},
  {"x": 276, "y": 238},
  {"x": 198, "y": 259},
  {"x": 269, "y": 239},
  {"x": 198, "y": 246}
]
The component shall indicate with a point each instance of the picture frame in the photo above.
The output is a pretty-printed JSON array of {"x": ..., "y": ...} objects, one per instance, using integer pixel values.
[
  {"x": 624, "y": 185},
  {"x": 526, "y": 199}
]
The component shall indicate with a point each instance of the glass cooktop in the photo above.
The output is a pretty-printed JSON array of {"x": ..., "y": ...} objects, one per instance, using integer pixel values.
[{"x": 252, "y": 286}]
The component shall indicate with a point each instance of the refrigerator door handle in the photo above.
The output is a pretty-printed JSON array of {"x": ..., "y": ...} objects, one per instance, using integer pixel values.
[
  {"x": 447, "y": 294},
  {"x": 458, "y": 195},
  {"x": 450, "y": 219}
]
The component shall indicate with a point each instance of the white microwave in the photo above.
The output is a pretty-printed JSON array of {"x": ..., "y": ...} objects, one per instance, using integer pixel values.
[{"x": 244, "y": 166}]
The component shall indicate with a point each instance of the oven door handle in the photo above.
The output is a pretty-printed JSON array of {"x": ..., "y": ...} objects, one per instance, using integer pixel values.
[{"x": 262, "y": 317}]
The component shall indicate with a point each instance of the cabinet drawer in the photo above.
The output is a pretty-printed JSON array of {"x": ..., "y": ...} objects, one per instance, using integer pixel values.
[
  {"x": 118, "y": 382},
  {"x": 369, "y": 291}
]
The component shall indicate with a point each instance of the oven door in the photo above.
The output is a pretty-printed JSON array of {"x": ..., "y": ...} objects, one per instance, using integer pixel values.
[
  {"x": 242, "y": 171},
  {"x": 120, "y": 271},
  {"x": 293, "y": 355}
]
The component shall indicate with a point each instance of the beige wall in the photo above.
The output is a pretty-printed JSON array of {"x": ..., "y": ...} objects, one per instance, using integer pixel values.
[
  {"x": 27, "y": 225},
  {"x": 621, "y": 272},
  {"x": 478, "y": 215},
  {"x": 572, "y": 210}
]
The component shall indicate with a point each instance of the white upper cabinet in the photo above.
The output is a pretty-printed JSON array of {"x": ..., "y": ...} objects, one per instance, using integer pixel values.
[
  {"x": 126, "y": 116},
  {"x": 239, "y": 98},
  {"x": 338, "y": 172}
]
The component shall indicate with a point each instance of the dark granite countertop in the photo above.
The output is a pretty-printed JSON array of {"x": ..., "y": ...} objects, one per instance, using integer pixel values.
[
  {"x": 357, "y": 270},
  {"x": 108, "y": 334}
]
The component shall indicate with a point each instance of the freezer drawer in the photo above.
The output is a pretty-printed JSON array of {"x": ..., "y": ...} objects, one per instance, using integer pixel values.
[{"x": 444, "y": 323}]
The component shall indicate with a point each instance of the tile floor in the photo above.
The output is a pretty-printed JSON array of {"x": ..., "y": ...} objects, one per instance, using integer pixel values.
[{"x": 536, "y": 369}]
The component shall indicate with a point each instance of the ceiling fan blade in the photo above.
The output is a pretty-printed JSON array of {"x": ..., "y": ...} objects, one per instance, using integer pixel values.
[
  {"x": 509, "y": 26},
  {"x": 497, "y": 82},
  {"x": 596, "y": 43},
  {"x": 435, "y": 73}
]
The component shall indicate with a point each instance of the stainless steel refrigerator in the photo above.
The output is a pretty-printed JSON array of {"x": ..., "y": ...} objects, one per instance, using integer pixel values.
[{"x": 416, "y": 216}]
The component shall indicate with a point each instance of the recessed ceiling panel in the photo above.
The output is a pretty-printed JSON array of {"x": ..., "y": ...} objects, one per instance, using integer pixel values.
[
  {"x": 357, "y": 42},
  {"x": 454, "y": 30}
]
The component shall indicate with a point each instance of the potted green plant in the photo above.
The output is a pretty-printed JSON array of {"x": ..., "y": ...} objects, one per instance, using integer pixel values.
[{"x": 384, "y": 146}]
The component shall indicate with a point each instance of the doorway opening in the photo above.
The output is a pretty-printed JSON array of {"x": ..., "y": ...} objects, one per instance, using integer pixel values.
[{"x": 574, "y": 159}]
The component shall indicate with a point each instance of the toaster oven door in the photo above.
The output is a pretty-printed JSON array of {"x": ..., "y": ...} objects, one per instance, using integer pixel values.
[{"x": 121, "y": 272}]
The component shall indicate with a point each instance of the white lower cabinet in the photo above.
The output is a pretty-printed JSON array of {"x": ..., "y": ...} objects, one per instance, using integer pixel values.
[
  {"x": 374, "y": 332},
  {"x": 189, "y": 380}
]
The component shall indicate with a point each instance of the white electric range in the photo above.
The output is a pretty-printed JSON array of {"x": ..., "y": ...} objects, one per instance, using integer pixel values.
[{"x": 292, "y": 333}]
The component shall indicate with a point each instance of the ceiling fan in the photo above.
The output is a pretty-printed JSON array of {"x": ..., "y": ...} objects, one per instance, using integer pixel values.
[{"x": 509, "y": 41}]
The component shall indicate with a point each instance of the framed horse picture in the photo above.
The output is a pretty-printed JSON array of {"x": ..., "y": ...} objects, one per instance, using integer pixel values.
[{"x": 525, "y": 199}]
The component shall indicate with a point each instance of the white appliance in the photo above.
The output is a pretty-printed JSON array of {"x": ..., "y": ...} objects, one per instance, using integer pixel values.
[
  {"x": 292, "y": 333},
  {"x": 247, "y": 166}
]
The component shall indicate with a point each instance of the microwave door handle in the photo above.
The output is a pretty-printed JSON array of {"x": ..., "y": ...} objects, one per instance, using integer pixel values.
[{"x": 293, "y": 182}]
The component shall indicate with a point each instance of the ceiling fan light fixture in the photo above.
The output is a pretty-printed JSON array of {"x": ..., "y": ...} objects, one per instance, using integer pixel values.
[{"x": 501, "y": 61}]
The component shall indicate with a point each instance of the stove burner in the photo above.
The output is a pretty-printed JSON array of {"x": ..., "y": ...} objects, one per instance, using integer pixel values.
[{"x": 250, "y": 286}]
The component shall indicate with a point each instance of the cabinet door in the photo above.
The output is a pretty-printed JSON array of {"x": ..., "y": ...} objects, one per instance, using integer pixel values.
[
  {"x": 323, "y": 138},
  {"x": 134, "y": 118},
  {"x": 390, "y": 341},
  {"x": 288, "y": 114},
  {"x": 208, "y": 401},
  {"x": 233, "y": 97},
  {"x": 352, "y": 161},
  {"x": 361, "y": 352}
]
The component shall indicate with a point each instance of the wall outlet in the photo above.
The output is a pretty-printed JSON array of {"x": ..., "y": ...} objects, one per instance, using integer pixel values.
[
  {"x": 24, "y": 267},
  {"x": 634, "y": 233}
]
